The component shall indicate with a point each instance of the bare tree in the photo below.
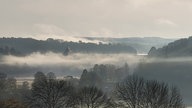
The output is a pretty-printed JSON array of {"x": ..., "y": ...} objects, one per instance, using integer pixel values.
[
  {"x": 175, "y": 99},
  {"x": 130, "y": 91},
  {"x": 46, "y": 93},
  {"x": 135, "y": 92},
  {"x": 156, "y": 94},
  {"x": 51, "y": 75},
  {"x": 92, "y": 97},
  {"x": 160, "y": 95}
]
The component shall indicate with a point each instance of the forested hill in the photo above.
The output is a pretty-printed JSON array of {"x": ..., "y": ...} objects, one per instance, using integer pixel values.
[
  {"x": 24, "y": 46},
  {"x": 141, "y": 44},
  {"x": 178, "y": 48}
]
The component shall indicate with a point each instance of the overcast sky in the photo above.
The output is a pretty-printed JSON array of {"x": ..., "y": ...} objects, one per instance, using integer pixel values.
[{"x": 103, "y": 18}]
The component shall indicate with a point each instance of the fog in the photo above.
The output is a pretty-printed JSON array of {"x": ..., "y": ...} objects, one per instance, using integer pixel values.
[
  {"x": 168, "y": 70},
  {"x": 72, "y": 64}
]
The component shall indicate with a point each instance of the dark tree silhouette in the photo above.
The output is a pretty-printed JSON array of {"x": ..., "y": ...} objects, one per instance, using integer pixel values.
[
  {"x": 67, "y": 51},
  {"x": 39, "y": 78},
  {"x": 92, "y": 97},
  {"x": 51, "y": 75},
  {"x": 130, "y": 91},
  {"x": 90, "y": 79},
  {"x": 49, "y": 93},
  {"x": 156, "y": 94},
  {"x": 175, "y": 99},
  {"x": 135, "y": 92}
]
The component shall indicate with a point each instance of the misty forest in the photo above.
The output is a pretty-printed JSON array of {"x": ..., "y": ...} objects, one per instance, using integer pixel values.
[
  {"x": 116, "y": 73},
  {"x": 95, "y": 54}
]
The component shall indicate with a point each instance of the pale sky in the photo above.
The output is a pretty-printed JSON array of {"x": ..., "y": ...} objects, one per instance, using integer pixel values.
[{"x": 103, "y": 18}]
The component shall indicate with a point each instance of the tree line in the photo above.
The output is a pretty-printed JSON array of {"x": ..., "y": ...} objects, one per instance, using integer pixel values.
[{"x": 47, "y": 91}]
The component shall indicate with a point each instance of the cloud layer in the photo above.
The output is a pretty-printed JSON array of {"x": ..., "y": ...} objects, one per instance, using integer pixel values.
[{"x": 116, "y": 18}]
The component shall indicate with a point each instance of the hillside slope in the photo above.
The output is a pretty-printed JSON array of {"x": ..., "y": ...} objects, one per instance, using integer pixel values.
[{"x": 178, "y": 48}]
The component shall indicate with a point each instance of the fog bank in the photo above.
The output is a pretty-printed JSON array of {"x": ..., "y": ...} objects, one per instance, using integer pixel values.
[{"x": 71, "y": 64}]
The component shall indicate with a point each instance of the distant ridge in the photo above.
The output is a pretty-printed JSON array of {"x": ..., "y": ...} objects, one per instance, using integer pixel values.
[
  {"x": 24, "y": 46},
  {"x": 141, "y": 44}
]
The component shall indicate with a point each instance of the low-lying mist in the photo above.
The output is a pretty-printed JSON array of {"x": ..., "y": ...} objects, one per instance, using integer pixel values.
[
  {"x": 176, "y": 71},
  {"x": 72, "y": 64}
]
